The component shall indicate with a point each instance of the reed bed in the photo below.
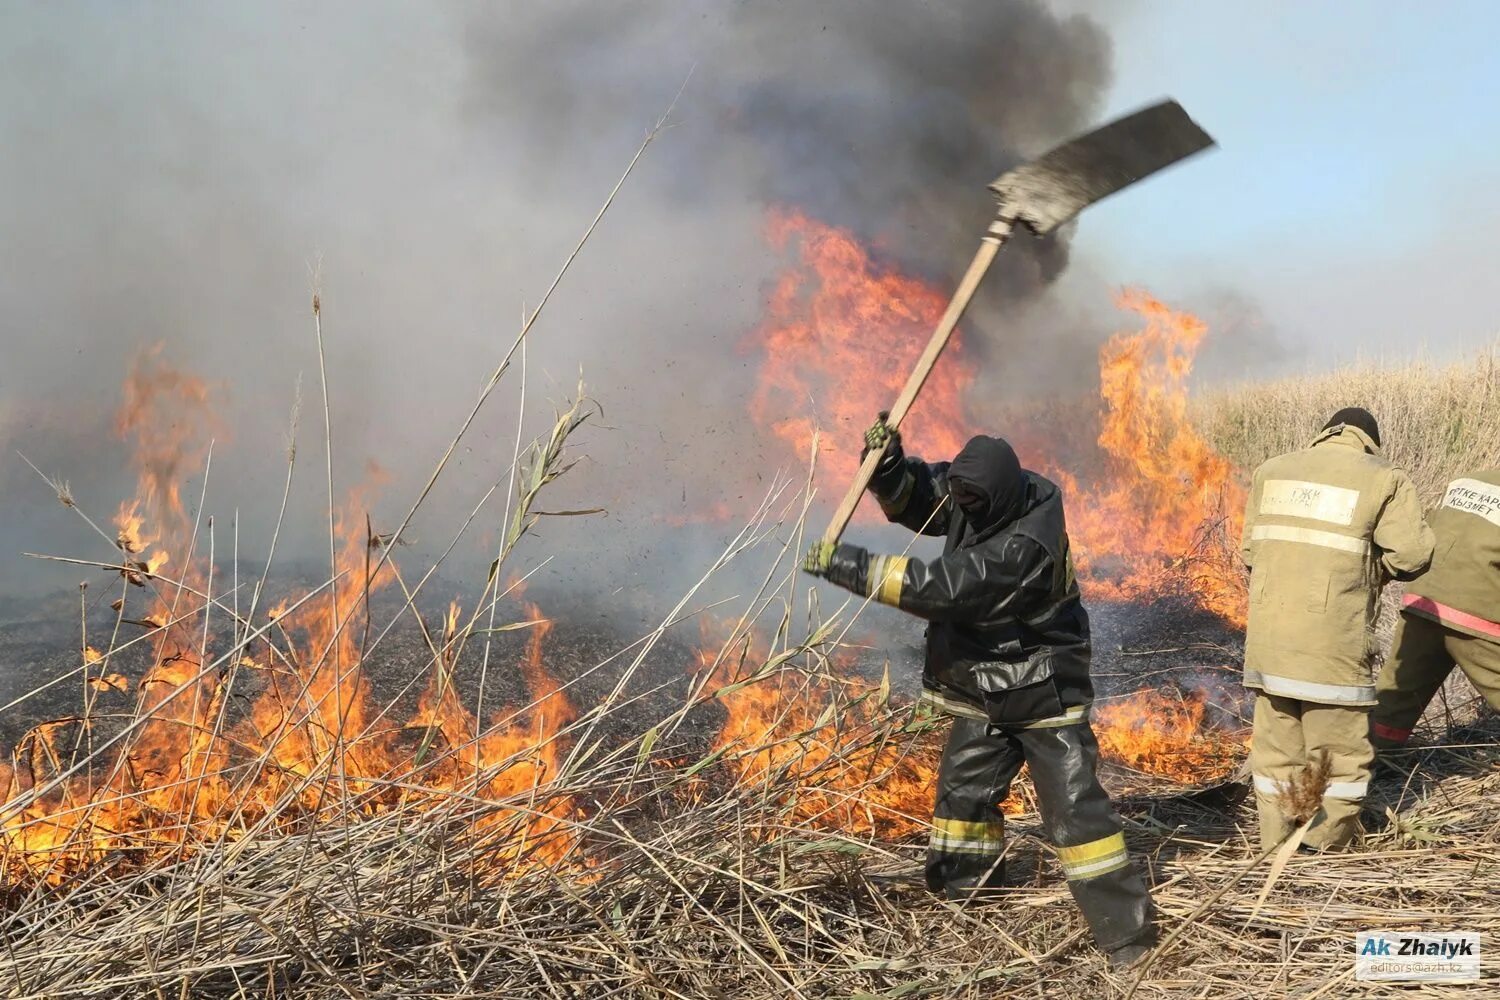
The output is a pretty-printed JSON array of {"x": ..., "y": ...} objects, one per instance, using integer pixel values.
[
  {"x": 1437, "y": 421},
  {"x": 688, "y": 876},
  {"x": 652, "y": 861}
]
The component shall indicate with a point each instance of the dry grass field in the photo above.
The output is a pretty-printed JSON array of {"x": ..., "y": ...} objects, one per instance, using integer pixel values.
[
  {"x": 1435, "y": 420},
  {"x": 776, "y": 862}
]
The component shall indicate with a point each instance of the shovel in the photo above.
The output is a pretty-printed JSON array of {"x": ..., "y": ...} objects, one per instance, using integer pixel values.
[{"x": 1042, "y": 195}]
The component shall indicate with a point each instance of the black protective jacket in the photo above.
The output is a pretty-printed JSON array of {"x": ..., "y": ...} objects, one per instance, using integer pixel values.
[{"x": 1009, "y": 638}]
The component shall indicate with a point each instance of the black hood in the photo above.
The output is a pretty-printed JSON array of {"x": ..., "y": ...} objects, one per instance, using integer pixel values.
[{"x": 989, "y": 479}]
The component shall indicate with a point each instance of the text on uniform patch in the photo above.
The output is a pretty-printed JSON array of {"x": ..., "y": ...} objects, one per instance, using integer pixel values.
[{"x": 1317, "y": 501}]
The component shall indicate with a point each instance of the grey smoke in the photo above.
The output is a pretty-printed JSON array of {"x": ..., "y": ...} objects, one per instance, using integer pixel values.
[{"x": 173, "y": 173}]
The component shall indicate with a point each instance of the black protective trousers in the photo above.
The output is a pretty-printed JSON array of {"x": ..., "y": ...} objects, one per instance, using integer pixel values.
[{"x": 968, "y": 839}]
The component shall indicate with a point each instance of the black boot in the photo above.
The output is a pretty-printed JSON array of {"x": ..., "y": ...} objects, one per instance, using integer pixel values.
[
  {"x": 1128, "y": 956},
  {"x": 978, "y": 889}
]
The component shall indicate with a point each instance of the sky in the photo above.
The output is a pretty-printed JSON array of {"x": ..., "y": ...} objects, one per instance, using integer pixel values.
[
  {"x": 184, "y": 173},
  {"x": 1352, "y": 198}
]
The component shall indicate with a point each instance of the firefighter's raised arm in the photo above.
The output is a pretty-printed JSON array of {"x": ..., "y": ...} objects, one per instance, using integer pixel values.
[{"x": 910, "y": 492}]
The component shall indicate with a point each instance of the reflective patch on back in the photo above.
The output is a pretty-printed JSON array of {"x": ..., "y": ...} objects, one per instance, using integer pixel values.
[
  {"x": 1308, "y": 536},
  {"x": 1316, "y": 501},
  {"x": 1474, "y": 496}
]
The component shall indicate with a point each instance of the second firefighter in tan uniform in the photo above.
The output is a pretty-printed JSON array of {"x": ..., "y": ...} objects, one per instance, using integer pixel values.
[
  {"x": 1451, "y": 616},
  {"x": 1324, "y": 529}
]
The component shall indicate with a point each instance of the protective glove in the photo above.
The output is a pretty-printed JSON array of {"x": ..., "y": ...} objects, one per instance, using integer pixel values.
[
  {"x": 819, "y": 555},
  {"x": 877, "y": 436},
  {"x": 889, "y": 474},
  {"x": 843, "y": 565}
]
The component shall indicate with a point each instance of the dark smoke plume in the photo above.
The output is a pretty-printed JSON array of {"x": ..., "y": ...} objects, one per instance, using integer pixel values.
[{"x": 885, "y": 119}]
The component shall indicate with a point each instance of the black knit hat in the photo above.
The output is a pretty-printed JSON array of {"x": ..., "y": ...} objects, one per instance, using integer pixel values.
[{"x": 1356, "y": 416}]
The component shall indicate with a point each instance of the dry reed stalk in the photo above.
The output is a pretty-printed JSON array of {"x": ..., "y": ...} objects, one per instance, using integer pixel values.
[{"x": 682, "y": 874}]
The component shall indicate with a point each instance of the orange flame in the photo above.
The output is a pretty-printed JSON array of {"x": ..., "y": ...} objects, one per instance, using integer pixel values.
[
  {"x": 1158, "y": 522},
  {"x": 840, "y": 336},
  {"x": 814, "y": 740},
  {"x": 1153, "y": 733},
  {"x": 312, "y": 744}
]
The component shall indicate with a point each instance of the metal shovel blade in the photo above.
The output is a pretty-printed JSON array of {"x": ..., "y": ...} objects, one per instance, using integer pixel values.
[{"x": 1053, "y": 188}]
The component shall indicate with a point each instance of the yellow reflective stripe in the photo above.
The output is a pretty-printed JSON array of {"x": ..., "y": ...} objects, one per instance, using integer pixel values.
[
  {"x": 1309, "y": 536},
  {"x": 1104, "y": 866},
  {"x": 932, "y": 701},
  {"x": 956, "y": 836},
  {"x": 884, "y": 578},
  {"x": 1093, "y": 850},
  {"x": 1073, "y": 716},
  {"x": 966, "y": 829},
  {"x": 1094, "y": 858}
]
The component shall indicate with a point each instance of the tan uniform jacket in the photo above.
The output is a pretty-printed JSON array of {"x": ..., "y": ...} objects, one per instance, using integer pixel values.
[
  {"x": 1462, "y": 590},
  {"x": 1324, "y": 529}
]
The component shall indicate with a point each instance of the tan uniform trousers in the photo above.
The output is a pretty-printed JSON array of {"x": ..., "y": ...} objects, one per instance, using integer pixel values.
[
  {"x": 1423, "y": 654},
  {"x": 1288, "y": 735}
]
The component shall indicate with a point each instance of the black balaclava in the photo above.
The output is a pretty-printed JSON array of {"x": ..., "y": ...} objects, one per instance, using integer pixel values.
[
  {"x": 987, "y": 482},
  {"x": 1356, "y": 416}
]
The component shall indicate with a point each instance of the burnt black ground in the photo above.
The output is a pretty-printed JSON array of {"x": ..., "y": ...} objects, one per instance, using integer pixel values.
[{"x": 1167, "y": 645}]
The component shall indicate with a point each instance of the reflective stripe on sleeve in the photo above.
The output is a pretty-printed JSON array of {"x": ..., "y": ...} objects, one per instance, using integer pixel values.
[
  {"x": 956, "y": 836},
  {"x": 884, "y": 577},
  {"x": 1094, "y": 858},
  {"x": 1309, "y": 536},
  {"x": 940, "y": 704},
  {"x": 1073, "y": 716},
  {"x": 1347, "y": 790},
  {"x": 1326, "y": 694},
  {"x": 1426, "y": 607}
]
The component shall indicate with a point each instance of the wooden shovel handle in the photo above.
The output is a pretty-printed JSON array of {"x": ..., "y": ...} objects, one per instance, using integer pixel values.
[{"x": 998, "y": 233}]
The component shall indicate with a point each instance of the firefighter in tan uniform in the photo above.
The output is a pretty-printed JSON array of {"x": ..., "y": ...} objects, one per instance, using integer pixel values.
[
  {"x": 1325, "y": 528},
  {"x": 1451, "y": 616}
]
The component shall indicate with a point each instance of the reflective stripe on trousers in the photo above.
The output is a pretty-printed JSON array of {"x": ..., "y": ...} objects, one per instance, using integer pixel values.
[
  {"x": 1095, "y": 857},
  {"x": 956, "y": 836},
  {"x": 1335, "y": 790},
  {"x": 979, "y": 763}
]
